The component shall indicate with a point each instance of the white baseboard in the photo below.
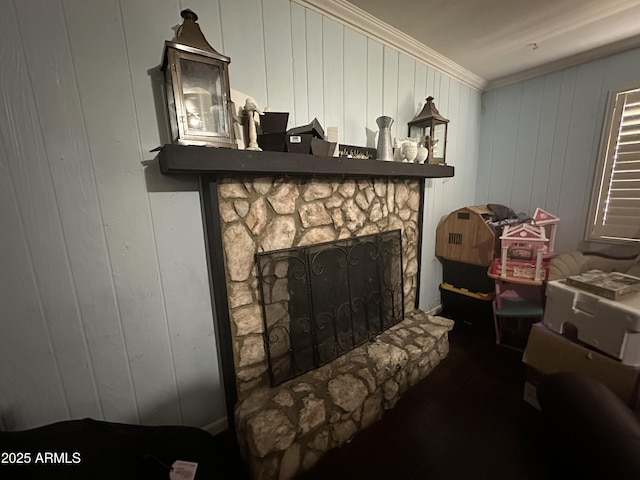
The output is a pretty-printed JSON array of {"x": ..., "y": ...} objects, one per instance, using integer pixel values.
[{"x": 217, "y": 427}]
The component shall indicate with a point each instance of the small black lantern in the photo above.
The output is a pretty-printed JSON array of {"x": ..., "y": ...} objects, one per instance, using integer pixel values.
[
  {"x": 430, "y": 128},
  {"x": 197, "y": 88}
]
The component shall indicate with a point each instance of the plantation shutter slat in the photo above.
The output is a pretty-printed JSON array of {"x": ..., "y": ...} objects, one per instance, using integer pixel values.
[{"x": 615, "y": 211}]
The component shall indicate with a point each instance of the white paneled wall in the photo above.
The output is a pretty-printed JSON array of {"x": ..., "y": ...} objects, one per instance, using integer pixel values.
[
  {"x": 104, "y": 300},
  {"x": 539, "y": 141}
]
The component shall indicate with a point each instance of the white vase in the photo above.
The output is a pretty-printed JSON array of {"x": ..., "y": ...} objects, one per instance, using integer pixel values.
[
  {"x": 409, "y": 151},
  {"x": 422, "y": 155}
]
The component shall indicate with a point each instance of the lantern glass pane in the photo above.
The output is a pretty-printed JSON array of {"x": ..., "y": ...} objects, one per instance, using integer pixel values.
[
  {"x": 438, "y": 140},
  {"x": 203, "y": 99},
  {"x": 417, "y": 133},
  {"x": 171, "y": 102}
]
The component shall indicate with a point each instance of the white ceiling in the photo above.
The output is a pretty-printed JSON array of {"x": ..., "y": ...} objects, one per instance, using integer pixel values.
[{"x": 508, "y": 40}]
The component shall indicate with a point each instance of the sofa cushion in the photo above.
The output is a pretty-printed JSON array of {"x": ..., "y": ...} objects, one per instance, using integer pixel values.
[
  {"x": 575, "y": 263},
  {"x": 635, "y": 268}
]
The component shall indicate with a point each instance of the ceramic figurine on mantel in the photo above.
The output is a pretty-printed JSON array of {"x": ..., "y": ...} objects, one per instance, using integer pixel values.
[
  {"x": 250, "y": 109},
  {"x": 406, "y": 150},
  {"x": 409, "y": 151},
  {"x": 422, "y": 153}
]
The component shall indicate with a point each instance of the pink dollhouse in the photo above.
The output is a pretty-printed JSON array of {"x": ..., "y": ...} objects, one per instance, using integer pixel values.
[
  {"x": 550, "y": 223},
  {"x": 523, "y": 248}
]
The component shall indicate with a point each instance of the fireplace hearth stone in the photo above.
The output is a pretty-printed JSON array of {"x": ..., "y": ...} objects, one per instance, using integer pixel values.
[{"x": 286, "y": 429}]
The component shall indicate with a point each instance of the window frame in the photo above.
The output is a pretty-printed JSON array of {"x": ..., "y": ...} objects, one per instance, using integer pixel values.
[{"x": 596, "y": 224}]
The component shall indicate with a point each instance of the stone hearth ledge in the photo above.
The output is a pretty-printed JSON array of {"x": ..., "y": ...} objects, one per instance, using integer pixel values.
[{"x": 284, "y": 430}]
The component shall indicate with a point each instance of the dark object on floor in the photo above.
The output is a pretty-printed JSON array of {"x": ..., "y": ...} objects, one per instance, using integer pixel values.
[
  {"x": 91, "y": 449},
  {"x": 463, "y": 305},
  {"x": 590, "y": 423},
  {"x": 467, "y": 275}
]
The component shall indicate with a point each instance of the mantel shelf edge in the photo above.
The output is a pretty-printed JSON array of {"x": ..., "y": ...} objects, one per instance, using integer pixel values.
[{"x": 196, "y": 160}]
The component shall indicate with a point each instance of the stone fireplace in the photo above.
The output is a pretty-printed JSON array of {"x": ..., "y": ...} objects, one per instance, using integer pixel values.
[{"x": 257, "y": 202}]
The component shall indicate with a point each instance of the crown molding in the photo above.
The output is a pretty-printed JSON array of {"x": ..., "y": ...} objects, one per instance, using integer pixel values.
[
  {"x": 572, "y": 61},
  {"x": 357, "y": 19}
]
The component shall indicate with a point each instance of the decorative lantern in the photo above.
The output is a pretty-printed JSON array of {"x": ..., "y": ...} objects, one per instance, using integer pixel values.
[
  {"x": 197, "y": 88},
  {"x": 430, "y": 128}
]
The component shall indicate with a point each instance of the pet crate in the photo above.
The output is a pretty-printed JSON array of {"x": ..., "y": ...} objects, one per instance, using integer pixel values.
[{"x": 465, "y": 236}]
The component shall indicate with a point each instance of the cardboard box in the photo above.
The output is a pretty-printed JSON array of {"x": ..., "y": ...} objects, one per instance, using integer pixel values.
[{"x": 548, "y": 352}]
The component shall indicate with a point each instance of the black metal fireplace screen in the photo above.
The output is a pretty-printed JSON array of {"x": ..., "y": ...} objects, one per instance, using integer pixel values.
[{"x": 320, "y": 301}]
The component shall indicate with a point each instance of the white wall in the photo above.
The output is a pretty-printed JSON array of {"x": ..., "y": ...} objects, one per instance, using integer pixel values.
[
  {"x": 539, "y": 142},
  {"x": 104, "y": 301}
]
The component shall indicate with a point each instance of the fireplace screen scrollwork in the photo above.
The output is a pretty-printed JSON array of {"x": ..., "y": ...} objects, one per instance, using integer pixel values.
[{"x": 320, "y": 301}]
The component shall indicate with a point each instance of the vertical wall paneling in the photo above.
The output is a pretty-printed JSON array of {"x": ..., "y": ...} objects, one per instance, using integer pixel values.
[
  {"x": 579, "y": 164},
  {"x": 544, "y": 143},
  {"x": 104, "y": 292},
  {"x": 526, "y": 142},
  {"x": 115, "y": 150},
  {"x": 183, "y": 263},
  {"x": 300, "y": 113},
  {"x": 355, "y": 88},
  {"x": 419, "y": 88},
  {"x": 436, "y": 87},
  {"x": 32, "y": 392},
  {"x": 472, "y": 146},
  {"x": 278, "y": 55},
  {"x": 374, "y": 89},
  {"x": 209, "y": 19},
  {"x": 243, "y": 39},
  {"x": 179, "y": 242},
  {"x": 145, "y": 31},
  {"x": 315, "y": 68},
  {"x": 621, "y": 70},
  {"x": 559, "y": 143},
  {"x": 451, "y": 198},
  {"x": 390, "y": 88},
  {"x": 66, "y": 144},
  {"x": 504, "y": 148},
  {"x": 558, "y": 120},
  {"x": 41, "y": 220},
  {"x": 430, "y": 79},
  {"x": 333, "y": 72},
  {"x": 406, "y": 92},
  {"x": 462, "y": 141}
]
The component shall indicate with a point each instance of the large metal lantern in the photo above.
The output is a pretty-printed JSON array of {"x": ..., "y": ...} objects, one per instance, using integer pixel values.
[
  {"x": 197, "y": 88},
  {"x": 430, "y": 128}
]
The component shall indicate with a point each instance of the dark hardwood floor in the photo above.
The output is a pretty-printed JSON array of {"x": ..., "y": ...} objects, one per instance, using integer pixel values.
[{"x": 466, "y": 420}]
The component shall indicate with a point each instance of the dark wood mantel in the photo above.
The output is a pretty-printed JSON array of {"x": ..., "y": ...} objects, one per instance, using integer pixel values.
[{"x": 193, "y": 160}]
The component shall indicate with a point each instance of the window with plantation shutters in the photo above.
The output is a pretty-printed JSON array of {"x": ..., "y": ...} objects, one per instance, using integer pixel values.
[{"x": 615, "y": 204}]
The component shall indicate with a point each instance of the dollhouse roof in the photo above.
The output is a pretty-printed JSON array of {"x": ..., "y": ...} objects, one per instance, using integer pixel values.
[
  {"x": 524, "y": 231},
  {"x": 540, "y": 217}
]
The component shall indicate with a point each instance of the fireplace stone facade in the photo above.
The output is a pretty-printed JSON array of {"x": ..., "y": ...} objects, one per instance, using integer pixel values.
[
  {"x": 286, "y": 429},
  {"x": 263, "y": 214}
]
